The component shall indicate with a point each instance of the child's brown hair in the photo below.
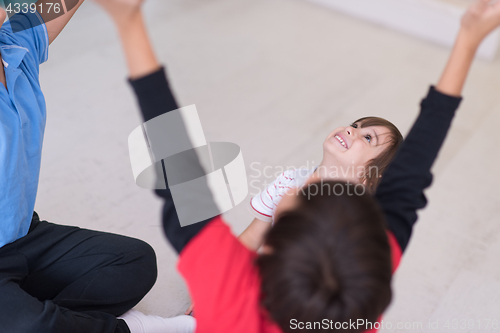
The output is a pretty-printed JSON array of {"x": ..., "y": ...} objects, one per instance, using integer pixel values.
[
  {"x": 329, "y": 258},
  {"x": 377, "y": 166}
]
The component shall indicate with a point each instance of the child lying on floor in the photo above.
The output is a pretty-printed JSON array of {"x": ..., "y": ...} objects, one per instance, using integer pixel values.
[
  {"x": 328, "y": 259},
  {"x": 359, "y": 154}
]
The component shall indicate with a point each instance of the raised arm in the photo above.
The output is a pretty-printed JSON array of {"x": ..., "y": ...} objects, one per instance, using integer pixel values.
[
  {"x": 52, "y": 15},
  {"x": 400, "y": 193},
  {"x": 128, "y": 19},
  {"x": 481, "y": 18},
  {"x": 155, "y": 98}
]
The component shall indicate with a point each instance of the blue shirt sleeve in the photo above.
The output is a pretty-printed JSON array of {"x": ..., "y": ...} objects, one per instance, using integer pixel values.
[{"x": 29, "y": 31}]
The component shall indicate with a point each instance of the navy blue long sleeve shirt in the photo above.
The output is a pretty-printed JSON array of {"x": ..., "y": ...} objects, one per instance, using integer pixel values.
[{"x": 400, "y": 193}]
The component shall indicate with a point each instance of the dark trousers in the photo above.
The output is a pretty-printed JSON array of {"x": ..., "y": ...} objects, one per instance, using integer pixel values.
[{"x": 62, "y": 279}]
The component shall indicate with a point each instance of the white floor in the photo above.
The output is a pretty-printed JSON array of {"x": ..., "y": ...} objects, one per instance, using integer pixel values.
[{"x": 275, "y": 76}]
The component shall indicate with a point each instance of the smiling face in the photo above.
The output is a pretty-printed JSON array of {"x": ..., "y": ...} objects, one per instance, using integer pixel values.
[
  {"x": 368, "y": 142},
  {"x": 353, "y": 147}
]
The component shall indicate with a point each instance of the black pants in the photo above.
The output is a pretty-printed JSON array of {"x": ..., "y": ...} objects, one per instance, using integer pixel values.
[{"x": 61, "y": 279}]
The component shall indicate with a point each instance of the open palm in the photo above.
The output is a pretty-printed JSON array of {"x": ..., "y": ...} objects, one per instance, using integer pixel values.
[{"x": 481, "y": 18}]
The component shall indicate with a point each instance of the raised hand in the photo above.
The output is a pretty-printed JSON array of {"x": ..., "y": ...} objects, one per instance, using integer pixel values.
[
  {"x": 127, "y": 15},
  {"x": 121, "y": 11},
  {"x": 481, "y": 18}
]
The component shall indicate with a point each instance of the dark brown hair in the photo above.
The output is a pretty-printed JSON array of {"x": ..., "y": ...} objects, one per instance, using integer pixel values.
[
  {"x": 378, "y": 165},
  {"x": 329, "y": 259}
]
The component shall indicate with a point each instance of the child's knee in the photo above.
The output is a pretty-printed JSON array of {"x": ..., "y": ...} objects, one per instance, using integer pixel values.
[{"x": 146, "y": 263}]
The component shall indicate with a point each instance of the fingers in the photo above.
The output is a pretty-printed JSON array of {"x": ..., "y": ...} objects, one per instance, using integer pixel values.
[
  {"x": 496, "y": 5},
  {"x": 483, "y": 5},
  {"x": 484, "y": 9},
  {"x": 190, "y": 309},
  {"x": 494, "y": 11},
  {"x": 479, "y": 6}
]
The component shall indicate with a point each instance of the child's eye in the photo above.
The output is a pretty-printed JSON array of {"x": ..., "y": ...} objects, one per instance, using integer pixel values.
[
  {"x": 368, "y": 137},
  {"x": 354, "y": 125}
]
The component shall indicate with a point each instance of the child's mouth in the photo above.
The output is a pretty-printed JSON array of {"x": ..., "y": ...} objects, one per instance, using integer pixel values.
[{"x": 341, "y": 140}]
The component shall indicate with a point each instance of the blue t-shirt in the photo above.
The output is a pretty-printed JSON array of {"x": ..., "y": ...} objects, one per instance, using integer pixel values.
[{"x": 22, "y": 122}]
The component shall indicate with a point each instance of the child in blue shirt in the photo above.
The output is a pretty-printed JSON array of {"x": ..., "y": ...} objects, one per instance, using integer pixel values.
[{"x": 53, "y": 278}]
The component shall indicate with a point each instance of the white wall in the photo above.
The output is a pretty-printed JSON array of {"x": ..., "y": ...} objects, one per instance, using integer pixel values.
[{"x": 432, "y": 20}]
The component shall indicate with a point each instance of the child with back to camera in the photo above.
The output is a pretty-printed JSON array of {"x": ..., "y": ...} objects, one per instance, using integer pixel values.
[{"x": 329, "y": 256}]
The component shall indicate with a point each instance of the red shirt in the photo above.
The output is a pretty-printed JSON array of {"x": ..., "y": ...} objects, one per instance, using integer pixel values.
[{"x": 225, "y": 284}]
